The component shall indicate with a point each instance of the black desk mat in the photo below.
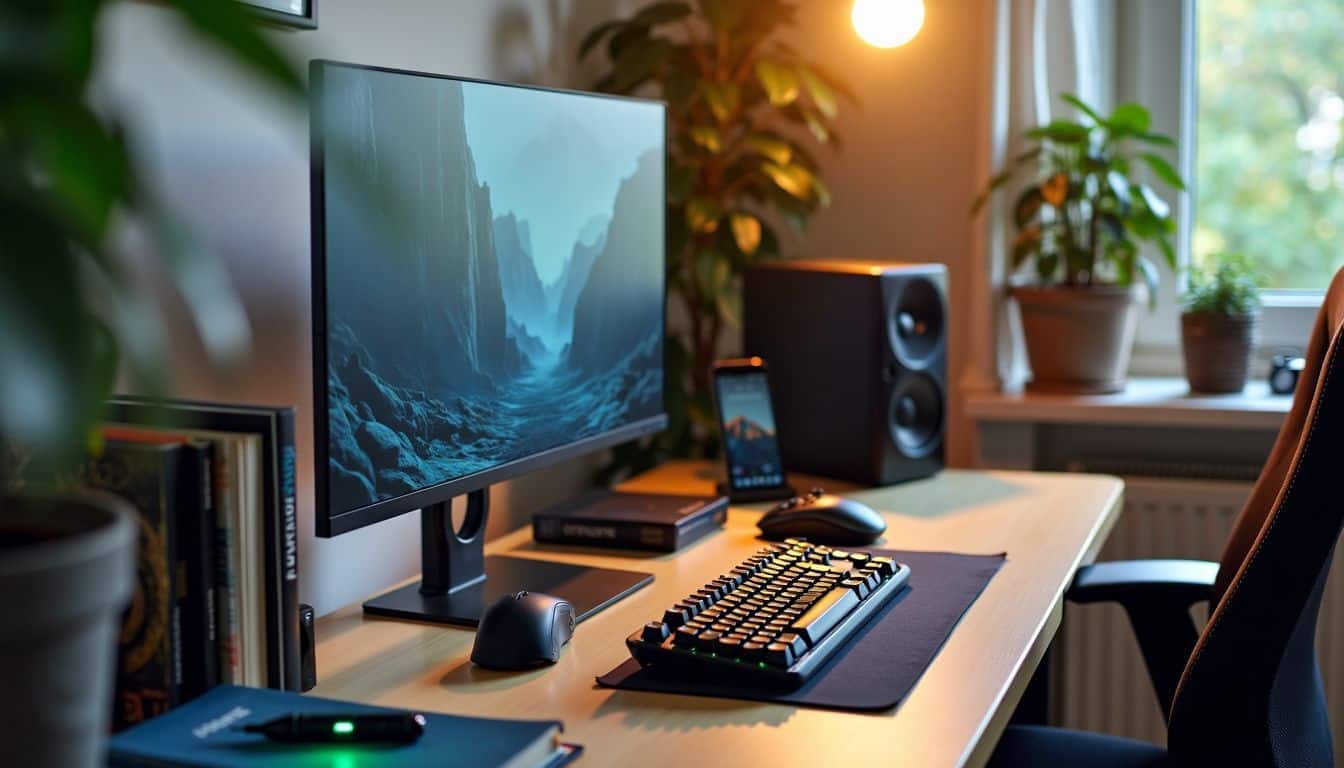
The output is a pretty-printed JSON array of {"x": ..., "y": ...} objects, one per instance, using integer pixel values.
[{"x": 881, "y": 663}]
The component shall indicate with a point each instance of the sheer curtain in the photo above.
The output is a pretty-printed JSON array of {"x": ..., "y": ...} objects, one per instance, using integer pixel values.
[{"x": 1042, "y": 48}]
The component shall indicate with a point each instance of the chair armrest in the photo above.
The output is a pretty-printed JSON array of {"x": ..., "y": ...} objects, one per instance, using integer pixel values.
[
  {"x": 1156, "y": 595},
  {"x": 1124, "y": 581}
]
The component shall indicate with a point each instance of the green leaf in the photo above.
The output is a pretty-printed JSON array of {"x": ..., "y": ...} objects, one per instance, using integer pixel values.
[
  {"x": 596, "y": 34},
  {"x": 1163, "y": 170},
  {"x": 746, "y": 232},
  {"x": 637, "y": 64},
  {"x": 779, "y": 82},
  {"x": 703, "y": 214},
  {"x": 1151, "y": 278},
  {"x": 820, "y": 93},
  {"x": 723, "y": 99},
  {"x": 1028, "y": 205},
  {"x": 997, "y": 181},
  {"x": 1078, "y": 104},
  {"x": 1155, "y": 139},
  {"x": 730, "y": 307},
  {"x": 793, "y": 179},
  {"x": 1155, "y": 203},
  {"x": 821, "y": 191},
  {"x": 774, "y": 149},
  {"x": 1168, "y": 252},
  {"x": 1060, "y": 131},
  {"x": 707, "y": 136},
  {"x": 629, "y": 36},
  {"x": 820, "y": 131},
  {"x": 1129, "y": 120},
  {"x": 1120, "y": 186}
]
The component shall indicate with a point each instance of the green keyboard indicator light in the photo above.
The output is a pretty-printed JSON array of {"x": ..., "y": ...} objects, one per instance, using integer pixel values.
[{"x": 342, "y": 727}]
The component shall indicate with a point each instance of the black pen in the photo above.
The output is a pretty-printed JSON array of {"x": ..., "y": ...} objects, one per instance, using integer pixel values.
[{"x": 401, "y": 728}]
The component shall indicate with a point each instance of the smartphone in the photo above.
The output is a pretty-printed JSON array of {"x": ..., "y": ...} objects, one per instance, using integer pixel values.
[{"x": 748, "y": 431}]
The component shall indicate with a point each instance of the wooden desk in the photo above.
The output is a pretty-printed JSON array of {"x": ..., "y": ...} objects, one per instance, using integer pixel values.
[{"x": 1048, "y": 524}]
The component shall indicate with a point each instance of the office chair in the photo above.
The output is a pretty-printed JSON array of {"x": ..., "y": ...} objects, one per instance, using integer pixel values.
[{"x": 1246, "y": 690}]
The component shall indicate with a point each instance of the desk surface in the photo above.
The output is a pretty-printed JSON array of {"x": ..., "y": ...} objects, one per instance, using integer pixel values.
[{"x": 1047, "y": 523}]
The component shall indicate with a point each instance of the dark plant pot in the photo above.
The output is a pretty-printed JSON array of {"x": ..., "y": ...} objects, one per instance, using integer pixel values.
[
  {"x": 1217, "y": 350},
  {"x": 1078, "y": 339},
  {"x": 67, "y": 569}
]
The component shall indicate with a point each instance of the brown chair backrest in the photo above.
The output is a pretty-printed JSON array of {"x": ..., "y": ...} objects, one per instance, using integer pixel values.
[{"x": 1251, "y": 692}]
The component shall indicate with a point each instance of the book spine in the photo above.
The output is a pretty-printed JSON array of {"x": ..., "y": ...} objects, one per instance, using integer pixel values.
[
  {"x": 282, "y": 567},
  {"x": 605, "y": 533},
  {"x": 193, "y": 514},
  {"x": 226, "y": 492},
  {"x": 701, "y": 526}
]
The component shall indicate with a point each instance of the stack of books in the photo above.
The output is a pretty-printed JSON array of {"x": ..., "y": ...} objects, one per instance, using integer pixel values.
[{"x": 216, "y": 598}]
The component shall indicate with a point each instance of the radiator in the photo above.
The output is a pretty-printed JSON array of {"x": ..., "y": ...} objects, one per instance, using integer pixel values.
[{"x": 1100, "y": 681}]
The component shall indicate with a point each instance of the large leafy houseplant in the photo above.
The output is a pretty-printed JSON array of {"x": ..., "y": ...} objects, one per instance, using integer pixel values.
[
  {"x": 745, "y": 110},
  {"x": 70, "y": 316},
  {"x": 1082, "y": 220}
]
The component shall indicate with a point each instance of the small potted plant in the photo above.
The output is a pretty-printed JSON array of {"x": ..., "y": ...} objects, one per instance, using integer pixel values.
[
  {"x": 1219, "y": 323},
  {"x": 1081, "y": 222}
]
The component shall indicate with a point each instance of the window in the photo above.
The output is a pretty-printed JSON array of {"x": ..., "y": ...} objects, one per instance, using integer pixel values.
[{"x": 1269, "y": 124}]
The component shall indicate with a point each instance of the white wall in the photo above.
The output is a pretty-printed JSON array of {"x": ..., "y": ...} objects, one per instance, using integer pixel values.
[{"x": 234, "y": 163}]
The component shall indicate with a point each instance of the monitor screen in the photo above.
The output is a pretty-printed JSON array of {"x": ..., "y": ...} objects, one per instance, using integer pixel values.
[
  {"x": 489, "y": 276},
  {"x": 748, "y": 424}
]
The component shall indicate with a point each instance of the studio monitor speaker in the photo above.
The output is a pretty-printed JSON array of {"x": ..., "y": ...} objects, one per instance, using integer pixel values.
[{"x": 857, "y": 353}]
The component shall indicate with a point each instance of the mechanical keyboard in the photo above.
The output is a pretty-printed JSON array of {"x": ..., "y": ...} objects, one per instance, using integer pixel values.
[{"x": 777, "y": 617}]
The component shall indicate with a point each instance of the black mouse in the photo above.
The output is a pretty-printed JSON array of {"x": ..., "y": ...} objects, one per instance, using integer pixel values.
[
  {"x": 523, "y": 630},
  {"x": 822, "y": 518}
]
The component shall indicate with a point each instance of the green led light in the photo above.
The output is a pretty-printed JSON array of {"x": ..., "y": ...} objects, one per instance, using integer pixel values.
[
  {"x": 342, "y": 727},
  {"x": 761, "y": 664}
]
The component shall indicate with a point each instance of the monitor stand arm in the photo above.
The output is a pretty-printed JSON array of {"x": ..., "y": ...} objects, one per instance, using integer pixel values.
[
  {"x": 453, "y": 560},
  {"x": 459, "y": 582}
]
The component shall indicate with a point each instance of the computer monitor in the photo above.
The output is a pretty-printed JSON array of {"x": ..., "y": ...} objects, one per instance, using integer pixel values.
[{"x": 489, "y": 289}]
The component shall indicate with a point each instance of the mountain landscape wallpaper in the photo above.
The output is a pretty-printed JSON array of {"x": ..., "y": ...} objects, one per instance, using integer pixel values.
[
  {"x": 749, "y": 430},
  {"x": 494, "y": 275}
]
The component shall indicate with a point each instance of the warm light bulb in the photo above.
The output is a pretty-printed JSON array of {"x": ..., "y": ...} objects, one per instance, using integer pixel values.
[{"x": 888, "y": 23}]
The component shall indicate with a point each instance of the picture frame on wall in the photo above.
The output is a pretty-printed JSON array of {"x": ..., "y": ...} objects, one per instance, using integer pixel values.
[{"x": 292, "y": 13}]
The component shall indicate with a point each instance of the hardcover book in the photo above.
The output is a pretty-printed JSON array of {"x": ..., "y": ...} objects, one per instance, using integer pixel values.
[
  {"x": 208, "y": 732},
  {"x": 278, "y": 579},
  {"x": 654, "y": 522},
  {"x": 149, "y": 672}
]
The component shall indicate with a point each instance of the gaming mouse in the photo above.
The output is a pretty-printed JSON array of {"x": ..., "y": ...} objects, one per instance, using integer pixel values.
[
  {"x": 822, "y": 518},
  {"x": 523, "y": 630}
]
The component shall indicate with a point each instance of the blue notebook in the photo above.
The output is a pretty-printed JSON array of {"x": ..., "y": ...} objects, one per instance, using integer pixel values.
[{"x": 207, "y": 732}]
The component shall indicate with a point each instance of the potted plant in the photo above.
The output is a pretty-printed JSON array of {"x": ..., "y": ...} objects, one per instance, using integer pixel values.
[
  {"x": 1081, "y": 222},
  {"x": 68, "y": 318},
  {"x": 745, "y": 110},
  {"x": 1219, "y": 323}
]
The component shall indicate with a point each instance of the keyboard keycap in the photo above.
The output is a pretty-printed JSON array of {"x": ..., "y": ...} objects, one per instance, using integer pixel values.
[
  {"x": 778, "y": 654},
  {"x": 655, "y": 632},
  {"x": 825, "y": 614},
  {"x": 684, "y": 638},
  {"x": 676, "y": 616}
]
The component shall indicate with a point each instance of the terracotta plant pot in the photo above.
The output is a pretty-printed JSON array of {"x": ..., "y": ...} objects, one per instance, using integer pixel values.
[
  {"x": 1217, "y": 350},
  {"x": 67, "y": 570},
  {"x": 1078, "y": 339}
]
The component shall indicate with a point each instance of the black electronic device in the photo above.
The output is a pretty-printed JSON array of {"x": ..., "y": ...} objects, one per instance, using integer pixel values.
[
  {"x": 304, "y": 728},
  {"x": 748, "y": 432},
  {"x": 823, "y": 518},
  {"x": 523, "y": 631},
  {"x": 645, "y": 521},
  {"x": 489, "y": 290},
  {"x": 858, "y": 355},
  {"x": 1284, "y": 371},
  {"x": 777, "y": 617}
]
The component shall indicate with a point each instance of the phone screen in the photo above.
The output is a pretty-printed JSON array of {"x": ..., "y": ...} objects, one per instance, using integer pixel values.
[{"x": 748, "y": 424}]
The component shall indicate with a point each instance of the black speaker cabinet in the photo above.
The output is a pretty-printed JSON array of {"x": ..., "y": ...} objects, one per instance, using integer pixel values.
[{"x": 857, "y": 353}]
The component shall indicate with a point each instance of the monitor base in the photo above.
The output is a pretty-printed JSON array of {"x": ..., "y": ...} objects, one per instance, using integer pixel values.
[
  {"x": 458, "y": 582},
  {"x": 589, "y": 590}
]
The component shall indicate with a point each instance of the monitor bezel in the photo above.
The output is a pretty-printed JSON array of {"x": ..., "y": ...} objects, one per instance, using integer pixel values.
[{"x": 328, "y": 524}]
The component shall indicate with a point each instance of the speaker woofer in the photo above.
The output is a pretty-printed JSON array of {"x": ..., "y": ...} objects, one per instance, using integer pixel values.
[
  {"x": 915, "y": 415},
  {"x": 915, "y": 324}
]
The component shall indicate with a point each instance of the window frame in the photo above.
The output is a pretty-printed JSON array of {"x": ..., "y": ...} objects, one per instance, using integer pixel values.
[{"x": 1286, "y": 315}]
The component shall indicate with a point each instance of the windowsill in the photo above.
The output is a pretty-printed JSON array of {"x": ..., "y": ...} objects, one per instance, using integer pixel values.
[{"x": 1165, "y": 402}]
